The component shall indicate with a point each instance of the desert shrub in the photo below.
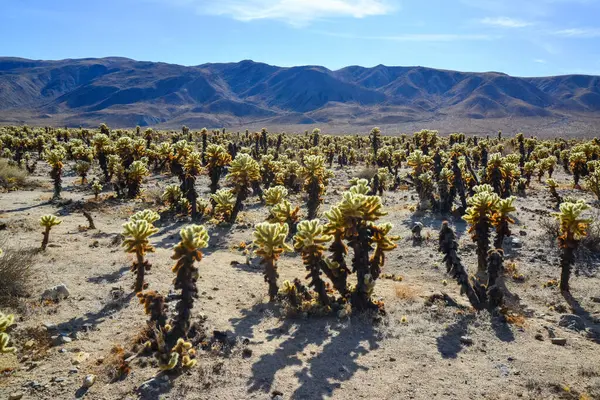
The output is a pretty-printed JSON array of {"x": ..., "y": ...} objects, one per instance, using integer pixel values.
[
  {"x": 16, "y": 273},
  {"x": 11, "y": 176},
  {"x": 367, "y": 173}
]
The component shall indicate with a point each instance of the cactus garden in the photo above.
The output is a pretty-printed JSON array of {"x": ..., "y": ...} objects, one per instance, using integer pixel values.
[{"x": 241, "y": 264}]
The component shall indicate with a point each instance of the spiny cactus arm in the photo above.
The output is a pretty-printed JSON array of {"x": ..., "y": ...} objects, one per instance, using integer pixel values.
[
  {"x": 48, "y": 221},
  {"x": 136, "y": 235},
  {"x": 146, "y": 215},
  {"x": 4, "y": 347}
]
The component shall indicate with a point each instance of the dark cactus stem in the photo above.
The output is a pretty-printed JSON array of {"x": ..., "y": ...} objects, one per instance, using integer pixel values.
[
  {"x": 313, "y": 265},
  {"x": 204, "y": 145},
  {"x": 46, "y": 236},
  {"x": 361, "y": 243},
  {"x": 103, "y": 161},
  {"x": 502, "y": 231},
  {"x": 278, "y": 145},
  {"x": 437, "y": 165},
  {"x": 56, "y": 175},
  {"x": 567, "y": 257},
  {"x": 454, "y": 267},
  {"x": 339, "y": 278},
  {"x": 458, "y": 182},
  {"x": 495, "y": 266},
  {"x": 482, "y": 236},
  {"x": 186, "y": 282},
  {"x": 242, "y": 195},
  {"x": 314, "y": 198},
  {"x": 140, "y": 266},
  {"x": 154, "y": 305},
  {"x": 190, "y": 194},
  {"x": 271, "y": 276}
]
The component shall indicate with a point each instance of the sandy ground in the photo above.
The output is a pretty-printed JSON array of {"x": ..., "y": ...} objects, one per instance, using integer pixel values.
[{"x": 417, "y": 351}]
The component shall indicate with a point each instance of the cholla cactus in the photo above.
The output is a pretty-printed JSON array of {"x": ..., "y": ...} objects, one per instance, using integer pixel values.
[
  {"x": 216, "y": 160},
  {"x": 528, "y": 170},
  {"x": 479, "y": 216},
  {"x": 315, "y": 176},
  {"x": 48, "y": 221},
  {"x": 552, "y": 185},
  {"x": 192, "y": 168},
  {"x": 224, "y": 202},
  {"x": 188, "y": 250},
  {"x": 172, "y": 195},
  {"x": 134, "y": 176},
  {"x": 572, "y": 229},
  {"x": 96, "y": 188},
  {"x": 5, "y": 322},
  {"x": 137, "y": 232},
  {"x": 310, "y": 242},
  {"x": 592, "y": 183},
  {"x": 55, "y": 159},
  {"x": 501, "y": 220},
  {"x": 270, "y": 239},
  {"x": 155, "y": 307},
  {"x": 244, "y": 172},
  {"x": 82, "y": 168},
  {"x": 577, "y": 162},
  {"x": 275, "y": 195},
  {"x": 284, "y": 213},
  {"x": 448, "y": 245}
]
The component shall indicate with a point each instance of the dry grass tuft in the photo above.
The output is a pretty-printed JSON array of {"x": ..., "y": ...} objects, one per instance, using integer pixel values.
[
  {"x": 407, "y": 293},
  {"x": 11, "y": 177},
  {"x": 16, "y": 273}
]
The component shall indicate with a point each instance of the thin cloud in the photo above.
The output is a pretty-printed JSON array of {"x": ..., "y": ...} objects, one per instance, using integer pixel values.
[
  {"x": 540, "y": 61},
  {"x": 414, "y": 37},
  {"x": 294, "y": 12},
  {"x": 505, "y": 22},
  {"x": 579, "y": 33}
]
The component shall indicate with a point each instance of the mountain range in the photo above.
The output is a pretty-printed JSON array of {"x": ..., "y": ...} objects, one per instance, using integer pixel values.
[{"x": 125, "y": 93}]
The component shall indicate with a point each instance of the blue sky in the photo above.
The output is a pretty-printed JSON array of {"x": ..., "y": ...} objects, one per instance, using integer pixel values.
[{"x": 519, "y": 37}]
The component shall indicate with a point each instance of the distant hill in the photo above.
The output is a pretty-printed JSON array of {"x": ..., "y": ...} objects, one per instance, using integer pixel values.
[{"x": 126, "y": 93}]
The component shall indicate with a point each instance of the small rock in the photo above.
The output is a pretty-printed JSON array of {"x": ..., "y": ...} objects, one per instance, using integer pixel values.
[
  {"x": 29, "y": 344},
  {"x": 467, "y": 341},
  {"x": 276, "y": 393},
  {"x": 58, "y": 340},
  {"x": 516, "y": 243},
  {"x": 89, "y": 381},
  {"x": 559, "y": 341},
  {"x": 59, "y": 379},
  {"x": 522, "y": 233},
  {"x": 49, "y": 326},
  {"x": 392, "y": 359},
  {"x": 73, "y": 371},
  {"x": 56, "y": 293},
  {"x": 15, "y": 396},
  {"x": 539, "y": 337}
]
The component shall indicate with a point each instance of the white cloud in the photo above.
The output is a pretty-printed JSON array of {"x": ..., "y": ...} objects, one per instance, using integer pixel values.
[
  {"x": 505, "y": 22},
  {"x": 415, "y": 37},
  {"x": 579, "y": 33},
  {"x": 540, "y": 61},
  {"x": 294, "y": 12}
]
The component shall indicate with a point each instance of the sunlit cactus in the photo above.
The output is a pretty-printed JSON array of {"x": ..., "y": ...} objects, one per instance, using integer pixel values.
[
  {"x": 270, "y": 239},
  {"x": 501, "y": 220},
  {"x": 48, "y": 221},
  {"x": 171, "y": 196},
  {"x": 285, "y": 213},
  {"x": 82, "y": 168},
  {"x": 310, "y": 242},
  {"x": 217, "y": 158},
  {"x": 6, "y": 320},
  {"x": 186, "y": 252},
  {"x": 552, "y": 186},
  {"x": 572, "y": 229},
  {"x": 243, "y": 173},
  {"x": 275, "y": 195},
  {"x": 528, "y": 170},
  {"x": 134, "y": 176},
  {"x": 314, "y": 175},
  {"x": 578, "y": 164},
  {"x": 592, "y": 183},
  {"x": 224, "y": 202},
  {"x": 384, "y": 242},
  {"x": 55, "y": 158},
  {"x": 96, "y": 188},
  {"x": 479, "y": 216},
  {"x": 137, "y": 232},
  {"x": 192, "y": 168},
  {"x": 419, "y": 162}
]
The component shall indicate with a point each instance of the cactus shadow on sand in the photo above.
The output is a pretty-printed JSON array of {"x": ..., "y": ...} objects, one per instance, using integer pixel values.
[{"x": 317, "y": 377}]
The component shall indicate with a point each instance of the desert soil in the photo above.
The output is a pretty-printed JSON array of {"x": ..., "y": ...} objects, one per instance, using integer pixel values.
[{"x": 417, "y": 350}]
